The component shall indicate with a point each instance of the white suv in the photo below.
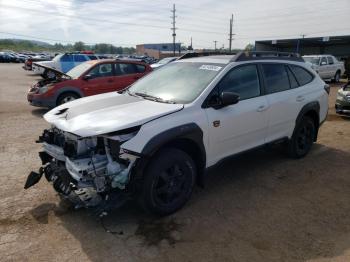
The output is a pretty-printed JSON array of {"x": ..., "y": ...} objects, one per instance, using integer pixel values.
[{"x": 157, "y": 138}]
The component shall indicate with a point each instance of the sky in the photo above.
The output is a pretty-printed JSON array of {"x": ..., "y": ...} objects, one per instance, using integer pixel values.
[{"x": 128, "y": 23}]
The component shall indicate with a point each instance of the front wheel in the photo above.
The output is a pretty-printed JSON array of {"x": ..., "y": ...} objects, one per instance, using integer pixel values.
[
  {"x": 302, "y": 139},
  {"x": 66, "y": 97},
  {"x": 168, "y": 182}
]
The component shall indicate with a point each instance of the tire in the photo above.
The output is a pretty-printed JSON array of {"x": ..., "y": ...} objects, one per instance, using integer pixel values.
[
  {"x": 337, "y": 77},
  {"x": 48, "y": 74},
  {"x": 66, "y": 97},
  {"x": 168, "y": 182},
  {"x": 302, "y": 139}
]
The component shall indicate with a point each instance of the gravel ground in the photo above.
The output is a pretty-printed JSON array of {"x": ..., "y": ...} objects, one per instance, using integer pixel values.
[{"x": 260, "y": 206}]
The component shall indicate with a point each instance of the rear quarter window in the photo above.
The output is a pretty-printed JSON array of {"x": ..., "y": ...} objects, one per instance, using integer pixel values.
[
  {"x": 302, "y": 75},
  {"x": 140, "y": 68}
]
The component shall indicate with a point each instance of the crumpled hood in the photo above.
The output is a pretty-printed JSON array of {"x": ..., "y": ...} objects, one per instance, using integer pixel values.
[
  {"x": 105, "y": 113},
  {"x": 50, "y": 65}
]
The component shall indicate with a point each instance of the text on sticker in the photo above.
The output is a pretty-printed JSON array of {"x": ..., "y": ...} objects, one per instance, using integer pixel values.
[{"x": 210, "y": 67}]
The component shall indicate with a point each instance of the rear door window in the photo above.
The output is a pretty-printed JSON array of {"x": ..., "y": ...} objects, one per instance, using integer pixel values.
[
  {"x": 92, "y": 57},
  {"x": 276, "y": 78},
  {"x": 125, "y": 69},
  {"x": 302, "y": 75},
  {"x": 330, "y": 60},
  {"x": 80, "y": 58}
]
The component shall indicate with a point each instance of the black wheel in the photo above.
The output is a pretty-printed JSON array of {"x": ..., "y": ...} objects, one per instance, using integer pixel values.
[
  {"x": 168, "y": 182},
  {"x": 66, "y": 97},
  {"x": 48, "y": 74},
  {"x": 337, "y": 77},
  {"x": 303, "y": 138}
]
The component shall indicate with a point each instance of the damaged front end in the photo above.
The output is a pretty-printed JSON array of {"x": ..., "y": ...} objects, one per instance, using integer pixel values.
[{"x": 89, "y": 171}]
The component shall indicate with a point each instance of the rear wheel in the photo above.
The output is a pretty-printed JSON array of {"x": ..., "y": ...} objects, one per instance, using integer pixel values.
[
  {"x": 66, "y": 97},
  {"x": 168, "y": 182},
  {"x": 337, "y": 77},
  {"x": 303, "y": 138}
]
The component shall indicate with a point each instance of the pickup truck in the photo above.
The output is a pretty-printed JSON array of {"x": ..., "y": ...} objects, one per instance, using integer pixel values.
[{"x": 327, "y": 66}]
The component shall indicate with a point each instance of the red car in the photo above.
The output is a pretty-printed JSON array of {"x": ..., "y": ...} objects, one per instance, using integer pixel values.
[{"x": 89, "y": 78}]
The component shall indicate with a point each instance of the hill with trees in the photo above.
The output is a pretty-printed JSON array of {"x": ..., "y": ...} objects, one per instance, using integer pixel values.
[{"x": 19, "y": 45}]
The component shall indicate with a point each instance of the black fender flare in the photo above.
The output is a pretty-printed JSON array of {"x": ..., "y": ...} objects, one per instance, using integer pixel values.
[
  {"x": 190, "y": 131},
  {"x": 310, "y": 107}
]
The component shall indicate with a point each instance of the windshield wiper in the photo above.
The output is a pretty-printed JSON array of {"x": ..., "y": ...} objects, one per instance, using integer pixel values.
[{"x": 154, "y": 98}]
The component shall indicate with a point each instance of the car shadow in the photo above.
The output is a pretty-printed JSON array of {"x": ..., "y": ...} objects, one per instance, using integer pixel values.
[
  {"x": 257, "y": 206},
  {"x": 39, "y": 112}
]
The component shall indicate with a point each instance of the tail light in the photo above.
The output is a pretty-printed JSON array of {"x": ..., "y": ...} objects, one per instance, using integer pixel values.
[{"x": 327, "y": 88}]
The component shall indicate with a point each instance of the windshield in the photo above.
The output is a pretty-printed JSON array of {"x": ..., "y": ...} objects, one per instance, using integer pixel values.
[
  {"x": 313, "y": 60},
  {"x": 178, "y": 82},
  {"x": 166, "y": 60},
  {"x": 76, "y": 72}
]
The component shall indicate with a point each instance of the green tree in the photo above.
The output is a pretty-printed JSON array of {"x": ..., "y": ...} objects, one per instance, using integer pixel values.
[
  {"x": 79, "y": 46},
  {"x": 249, "y": 47}
]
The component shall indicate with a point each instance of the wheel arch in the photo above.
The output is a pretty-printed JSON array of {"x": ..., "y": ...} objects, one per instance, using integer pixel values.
[
  {"x": 188, "y": 138},
  {"x": 66, "y": 90},
  {"x": 311, "y": 110}
]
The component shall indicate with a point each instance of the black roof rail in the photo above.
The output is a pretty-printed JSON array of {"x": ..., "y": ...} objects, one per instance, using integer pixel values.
[
  {"x": 200, "y": 54},
  {"x": 266, "y": 55}
]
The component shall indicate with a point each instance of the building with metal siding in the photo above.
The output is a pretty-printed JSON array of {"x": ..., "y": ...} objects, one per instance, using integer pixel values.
[{"x": 338, "y": 46}]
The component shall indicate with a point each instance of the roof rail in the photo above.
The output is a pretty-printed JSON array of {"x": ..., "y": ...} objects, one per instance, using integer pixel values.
[
  {"x": 266, "y": 55},
  {"x": 196, "y": 54}
]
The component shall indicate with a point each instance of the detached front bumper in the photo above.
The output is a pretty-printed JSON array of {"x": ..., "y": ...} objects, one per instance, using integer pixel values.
[{"x": 40, "y": 101}]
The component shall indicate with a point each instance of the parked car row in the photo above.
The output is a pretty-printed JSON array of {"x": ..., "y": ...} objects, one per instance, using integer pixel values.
[{"x": 327, "y": 66}]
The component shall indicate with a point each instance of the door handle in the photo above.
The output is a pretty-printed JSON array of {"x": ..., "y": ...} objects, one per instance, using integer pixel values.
[
  {"x": 300, "y": 98},
  {"x": 262, "y": 108},
  {"x": 110, "y": 80}
]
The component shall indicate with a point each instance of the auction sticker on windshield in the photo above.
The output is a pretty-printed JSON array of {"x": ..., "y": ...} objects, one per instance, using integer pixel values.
[{"x": 210, "y": 67}]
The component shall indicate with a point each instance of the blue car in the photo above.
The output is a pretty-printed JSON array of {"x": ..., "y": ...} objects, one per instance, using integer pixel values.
[{"x": 63, "y": 63}]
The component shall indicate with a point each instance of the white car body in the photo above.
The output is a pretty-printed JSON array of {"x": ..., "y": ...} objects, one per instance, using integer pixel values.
[
  {"x": 142, "y": 126},
  {"x": 327, "y": 66}
]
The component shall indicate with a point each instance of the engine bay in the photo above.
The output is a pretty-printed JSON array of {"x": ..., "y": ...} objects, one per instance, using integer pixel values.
[{"x": 88, "y": 171}]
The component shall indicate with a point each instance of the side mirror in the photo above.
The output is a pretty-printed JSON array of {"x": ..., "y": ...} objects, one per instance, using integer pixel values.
[
  {"x": 323, "y": 63},
  {"x": 225, "y": 99},
  {"x": 229, "y": 98},
  {"x": 87, "y": 77}
]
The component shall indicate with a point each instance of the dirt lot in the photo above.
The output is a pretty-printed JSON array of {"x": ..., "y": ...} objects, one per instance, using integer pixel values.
[{"x": 260, "y": 206}]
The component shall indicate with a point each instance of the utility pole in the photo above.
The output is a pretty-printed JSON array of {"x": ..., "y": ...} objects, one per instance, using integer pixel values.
[
  {"x": 299, "y": 44},
  {"x": 174, "y": 28},
  {"x": 230, "y": 34},
  {"x": 215, "y": 44}
]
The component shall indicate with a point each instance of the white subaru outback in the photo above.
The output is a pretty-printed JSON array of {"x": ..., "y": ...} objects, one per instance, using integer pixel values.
[{"x": 157, "y": 138}]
